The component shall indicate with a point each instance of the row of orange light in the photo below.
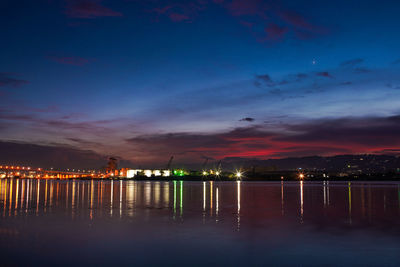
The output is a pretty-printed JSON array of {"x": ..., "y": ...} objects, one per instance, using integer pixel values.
[
  {"x": 54, "y": 176},
  {"x": 29, "y": 168},
  {"x": 17, "y": 168}
]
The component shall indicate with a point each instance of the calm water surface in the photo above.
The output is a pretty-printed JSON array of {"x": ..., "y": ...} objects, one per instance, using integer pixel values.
[{"x": 199, "y": 223}]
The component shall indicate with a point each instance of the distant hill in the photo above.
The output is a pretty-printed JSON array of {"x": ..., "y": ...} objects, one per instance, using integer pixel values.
[{"x": 364, "y": 163}]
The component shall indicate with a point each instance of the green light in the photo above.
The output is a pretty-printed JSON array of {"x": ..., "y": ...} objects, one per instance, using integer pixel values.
[
  {"x": 181, "y": 198},
  {"x": 174, "y": 197},
  {"x": 179, "y": 172}
]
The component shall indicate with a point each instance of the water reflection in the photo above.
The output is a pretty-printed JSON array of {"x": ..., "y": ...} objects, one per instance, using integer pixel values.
[
  {"x": 166, "y": 193},
  {"x": 211, "y": 197},
  {"x": 174, "y": 198},
  {"x": 217, "y": 202},
  {"x": 398, "y": 194},
  {"x": 324, "y": 186},
  {"x": 238, "y": 204},
  {"x": 282, "y": 199},
  {"x": 301, "y": 202},
  {"x": 354, "y": 202},
  {"x": 181, "y": 198},
  {"x": 111, "y": 198},
  {"x": 91, "y": 199},
  {"x": 349, "y": 189}
]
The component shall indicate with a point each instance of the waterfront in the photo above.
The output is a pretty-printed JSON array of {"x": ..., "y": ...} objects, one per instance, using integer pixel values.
[{"x": 198, "y": 223}]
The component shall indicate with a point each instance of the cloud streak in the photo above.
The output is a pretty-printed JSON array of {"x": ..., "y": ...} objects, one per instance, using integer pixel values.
[
  {"x": 9, "y": 80},
  {"x": 275, "y": 20},
  {"x": 319, "y": 137},
  {"x": 324, "y": 74},
  {"x": 57, "y": 156},
  {"x": 351, "y": 62},
  {"x": 89, "y": 9},
  {"x": 248, "y": 119}
]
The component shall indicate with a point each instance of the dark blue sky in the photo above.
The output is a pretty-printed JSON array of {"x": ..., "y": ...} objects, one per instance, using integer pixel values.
[{"x": 146, "y": 79}]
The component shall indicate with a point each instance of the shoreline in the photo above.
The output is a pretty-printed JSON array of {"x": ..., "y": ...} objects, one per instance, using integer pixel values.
[{"x": 227, "y": 179}]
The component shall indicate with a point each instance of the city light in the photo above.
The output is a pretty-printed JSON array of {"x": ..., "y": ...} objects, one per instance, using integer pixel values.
[
  {"x": 130, "y": 174},
  {"x": 179, "y": 172}
]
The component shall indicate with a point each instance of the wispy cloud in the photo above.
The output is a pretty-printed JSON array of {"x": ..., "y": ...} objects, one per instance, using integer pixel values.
[
  {"x": 324, "y": 74},
  {"x": 300, "y": 22},
  {"x": 275, "y": 32},
  {"x": 264, "y": 79},
  {"x": 361, "y": 70},
  {"x": 9, "y": 80},
  {"x": 351, "y": 62},
  {"x": 88, "y": 9},
  {"x": 316, "y": 137},
  {"x": 57, "y": 156},
  {"x": 254, "y": 14},
  {"x": 396, "y": 62},
  {"x": 247, "y": 119}
]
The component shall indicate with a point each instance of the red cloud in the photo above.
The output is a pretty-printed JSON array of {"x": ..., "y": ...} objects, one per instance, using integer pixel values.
[
  {"x": 178, "y": 17},
  {"x": 251, "y": 13},
  {"x": 324, "y": 74},
  {"x": 246, "y": 7},
  {"x": 297, "y": 20},
  {"x": 323, "y": 137},
  {"x": 275, "y": 31},
  {"x": 87, "y": 9},
  {"x": 162, "y": 10}
]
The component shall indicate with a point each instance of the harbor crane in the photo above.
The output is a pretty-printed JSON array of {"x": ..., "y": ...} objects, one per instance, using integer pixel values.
[
  {"x": 219, "y": 168},
  {"x": 205, "y": 164},
  {"x": 169, "y": 163},
  {"x": 112, "y": 165}
]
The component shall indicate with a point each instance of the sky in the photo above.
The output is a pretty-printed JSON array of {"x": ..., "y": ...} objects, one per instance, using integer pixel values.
[{"x": 143, "y": 80}]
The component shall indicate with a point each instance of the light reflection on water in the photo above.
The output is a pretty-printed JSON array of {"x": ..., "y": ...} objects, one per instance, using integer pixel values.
[{"x": 239, "y": 222}]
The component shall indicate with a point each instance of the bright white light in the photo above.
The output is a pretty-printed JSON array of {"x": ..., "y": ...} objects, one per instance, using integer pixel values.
[
  {"x": 157, "y": 173},
  {"x": 148, "y": 173},
  {"x": 130, "y": 173},
  {"x": 166, "y": 173}
]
